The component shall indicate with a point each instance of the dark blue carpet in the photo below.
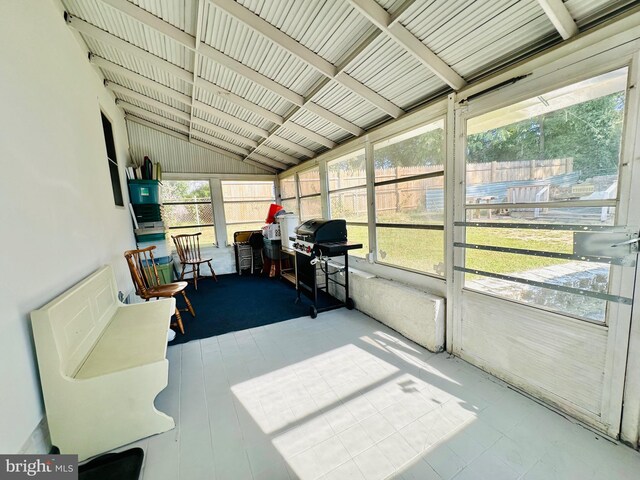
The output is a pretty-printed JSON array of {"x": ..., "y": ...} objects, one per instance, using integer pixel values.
[{"x": 237, "y": 302}]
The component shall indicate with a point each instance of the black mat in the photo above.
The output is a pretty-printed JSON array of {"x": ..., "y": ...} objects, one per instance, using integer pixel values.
[
  {"x": 114, "y": 466},
  {"x": 237, "y": 302}
]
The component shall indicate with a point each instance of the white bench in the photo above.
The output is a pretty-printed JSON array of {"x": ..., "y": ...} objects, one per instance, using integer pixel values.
[{"x": 102, "y": 363}]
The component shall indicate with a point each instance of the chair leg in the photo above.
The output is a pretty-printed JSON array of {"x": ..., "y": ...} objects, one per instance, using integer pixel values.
[
  {"x": 179, "y": 321},
  {"x": 189, "y": 306},
  {"x": 213, "y": 274},
  {"x": 182, "y": 272},
  {"x": 196, "y": 274}
]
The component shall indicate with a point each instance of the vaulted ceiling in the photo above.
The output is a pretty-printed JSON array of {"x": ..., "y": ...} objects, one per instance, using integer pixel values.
[{"x": 276, "y": 82}]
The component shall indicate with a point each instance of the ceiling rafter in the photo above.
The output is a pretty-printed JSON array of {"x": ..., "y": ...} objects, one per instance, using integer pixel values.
[
  {"x": 403, "y": 37},
  {"x": 167, "y": 130},
  {"x": 181, "y": 97},
  {"x": 168, "y": 123},
  {"x": 310, "y": 134},
  {"x": 185, "y": 99},
  {"x": 249, "y": 127},
  {"x": 204, "y": 49},
  {"x": 270, "y": 161},
  {"x": 292, "y": 146},
  {"x": 262, "y": 148},
  {"x": 119, "y": 89},
  {"x": 559, "y": 15},
  {"x": 139, "y": 79},
  {"x": 260, "y": 165},
  {"x": 306, "y": 55},
  {"x": 196, "y": 56}
]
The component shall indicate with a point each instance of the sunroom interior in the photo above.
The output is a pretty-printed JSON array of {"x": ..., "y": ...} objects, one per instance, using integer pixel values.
[{"x": 484, "y": 157}]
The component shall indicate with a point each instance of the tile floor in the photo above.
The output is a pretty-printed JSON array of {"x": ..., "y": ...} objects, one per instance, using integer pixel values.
[{"x": 343, "y": 397}]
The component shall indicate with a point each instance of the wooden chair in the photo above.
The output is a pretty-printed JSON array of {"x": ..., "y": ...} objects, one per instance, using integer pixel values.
[
  {"x": 145, "y": 278},
  {"x": 188, "y": 248}
]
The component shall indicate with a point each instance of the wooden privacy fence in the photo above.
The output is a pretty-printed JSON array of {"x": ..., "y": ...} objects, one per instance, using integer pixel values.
[
  {"x": 490, "y": 172},
  {"x": 428, "y": 193}
]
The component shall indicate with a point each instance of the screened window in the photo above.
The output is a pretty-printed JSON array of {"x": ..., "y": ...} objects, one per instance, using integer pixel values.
[
  {"x": 409, "y": 199},
  {"x": 346, "y": 177},
  {"x": 559, "y": 147},
  {"x": 309, "y": 191},
  {"x": 187, "y": 208},
  {"x": 246, "y": 204},
  {"x": 289, "y": 200}
]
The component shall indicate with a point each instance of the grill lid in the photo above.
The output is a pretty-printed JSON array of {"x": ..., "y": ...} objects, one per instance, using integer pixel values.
[{"x": 319, "y": 230}]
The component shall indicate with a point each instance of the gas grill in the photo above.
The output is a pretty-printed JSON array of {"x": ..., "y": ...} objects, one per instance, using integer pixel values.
[{"x": 315, "y": 242}]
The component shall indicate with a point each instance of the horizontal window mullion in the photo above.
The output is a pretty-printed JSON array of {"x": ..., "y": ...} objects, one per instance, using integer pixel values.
[
  {"x": 550, "y": 286},
  {"x": 542, "y": 253},
  {"x": 310, "y": 196},
  {"x": 187, "y": 203},
  {"x": 413, "y": 178},
  {"x": 358, "y": 224},
  {"x": 259, "y": 200},
  {"x": 410, "y": 226},
  {"x": 202, "y": 225},
  {"x": 542, "y": 226},
  {"x": 556, "y": 204},
  {"x": 346, "y": 189},
  {"x": 246, "y": 222}
]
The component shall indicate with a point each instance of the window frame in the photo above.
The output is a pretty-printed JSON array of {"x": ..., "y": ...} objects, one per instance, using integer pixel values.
[
  {"x": 412, "y": 226},
  {"x": 312, "y": 195},
  {"x": 210, "y": 202},
  {"x": 226, "y": 202},
  {"x": 363, "y": 186}
]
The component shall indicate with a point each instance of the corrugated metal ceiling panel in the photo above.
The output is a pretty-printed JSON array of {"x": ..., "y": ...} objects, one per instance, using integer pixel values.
[
  {"x": 150, "y": 108},
  {"x": 228, "y": 35},
  {"x": 319, "y": 125},
  {"x": 243, "y": 87},
  {"x": 329, "y": 28},
  {"x": 219, "y": 102},
  {"x": 299, "y": 139},
  {"x": 587, "y": 10},
  {"x": 122, "y": 26},
  {"x": 125, "y": 82},
  {"x": 179, "y": 156},
  {"x": 458, "y": 30},
  {"x": 179, "y": 13},
  {"x": 136, "y": 65},
  {"x": 387, "y": 68},
  {"x": 209, "y": 141},
  {"x": 281, "y": 148},
  {"x": 342, "y": 101},
  {"x": 214, "y": 120},
  {"x": 210, "y": 133}
]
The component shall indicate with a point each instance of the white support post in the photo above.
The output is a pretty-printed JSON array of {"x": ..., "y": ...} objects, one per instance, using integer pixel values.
[
  {"x": 371, "y": 201},
  {"x": 218, "y": 212},
  {"x": 324, "y": 189}
]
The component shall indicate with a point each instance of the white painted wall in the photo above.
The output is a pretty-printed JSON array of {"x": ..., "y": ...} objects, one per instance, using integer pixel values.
[
  {"x": 415, "y": 313},
  {"x": 58, "y": 219}
]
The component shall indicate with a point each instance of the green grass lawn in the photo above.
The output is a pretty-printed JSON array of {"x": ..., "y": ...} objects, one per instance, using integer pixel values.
[{"x": 422, "y": 250}]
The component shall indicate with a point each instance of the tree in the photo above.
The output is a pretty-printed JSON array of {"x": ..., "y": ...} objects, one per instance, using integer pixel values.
[
  {"x": 589, "y": 132},
  {"x": 425, "y": 149}
]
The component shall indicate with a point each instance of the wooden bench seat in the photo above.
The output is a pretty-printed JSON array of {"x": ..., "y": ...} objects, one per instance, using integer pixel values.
[
  {"x": 102, "y": 363},
  {"x": 119, "y": 346}
]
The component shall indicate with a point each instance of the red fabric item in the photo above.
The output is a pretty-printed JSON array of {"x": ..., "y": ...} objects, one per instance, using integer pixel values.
[{"x": 273, "y": 209}]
